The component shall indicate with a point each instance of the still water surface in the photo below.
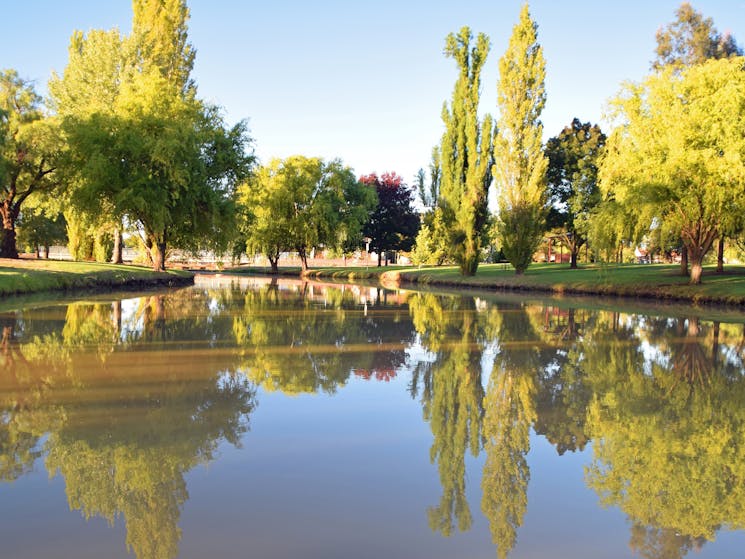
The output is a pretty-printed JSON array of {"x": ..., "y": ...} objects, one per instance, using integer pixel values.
[{"x": 251, "y": 418}]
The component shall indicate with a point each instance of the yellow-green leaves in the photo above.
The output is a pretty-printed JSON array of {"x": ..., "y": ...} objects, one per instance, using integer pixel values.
[
  {"x": 465, "y": 153},
  {"x": 520, "y": 168},
  {"x": 678, "y": 154},
  {"x": 302, "y": 203}
]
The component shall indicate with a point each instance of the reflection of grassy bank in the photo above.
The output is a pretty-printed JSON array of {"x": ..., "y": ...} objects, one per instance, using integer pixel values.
[
  {"x": 660, "y": 282},
  {"x": 32, "y": 276}
]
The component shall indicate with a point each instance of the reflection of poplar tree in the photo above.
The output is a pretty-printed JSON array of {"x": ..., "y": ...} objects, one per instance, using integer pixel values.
[
  {"x": 452, "y": 399},
  {"x": 510, "y": 412},
  {"x": 455, "y": 419}
]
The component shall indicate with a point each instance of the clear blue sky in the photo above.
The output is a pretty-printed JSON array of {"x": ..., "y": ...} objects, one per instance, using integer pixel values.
[{"x": 365, "y": 80}]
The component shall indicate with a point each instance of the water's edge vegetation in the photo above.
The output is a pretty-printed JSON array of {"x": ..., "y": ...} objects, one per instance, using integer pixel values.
[
  {"x": 649, "y": 281},
  {"x": 641, "y": 282},
  {"x": 22, "y": 277}
]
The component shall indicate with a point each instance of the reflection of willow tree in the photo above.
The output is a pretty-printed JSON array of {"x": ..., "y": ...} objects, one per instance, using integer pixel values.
[
  {"x": 670, "y": 433},
  {"x": 124, "y": 429},
  {"x": 131, "y": 463},
  {"x": 453, "y": 399},
  {"x": 29, "y": 373},
  {"x": 510, "y": 411},
  {"x": 298, "y": 341}
]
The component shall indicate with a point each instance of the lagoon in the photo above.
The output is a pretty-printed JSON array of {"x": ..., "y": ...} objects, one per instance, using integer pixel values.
[{"x": 278, "y": 418}]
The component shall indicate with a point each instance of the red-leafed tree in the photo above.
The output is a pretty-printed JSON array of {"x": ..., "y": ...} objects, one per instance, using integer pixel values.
[{"x": 395, "y": 223}]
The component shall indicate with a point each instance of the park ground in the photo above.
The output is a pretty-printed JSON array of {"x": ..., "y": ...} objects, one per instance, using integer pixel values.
[
  {"x": 659, "y": 282},
  {"x": 23, "y": 276}
]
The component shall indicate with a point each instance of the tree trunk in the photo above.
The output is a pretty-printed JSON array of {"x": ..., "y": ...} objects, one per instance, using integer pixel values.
[
  {"x": 46, "y": 252},
  {"x": 720, "y": 256},
  {"x": 573, "y": 258},
  {"x": 274, "y": 263},
  {"x": 159, "y": 256},
  {"x": 470, "y": 262},
  {"x": 684, "y": 261},
  {"x": 8, "y": 242},
  {"x": 116, "y": 257},
  {"x": 117, "y": 317},
  {"x": 303, "y": 259},
  {"x": 696, "y": 271},
  {"x": 698, "y": 240},
  {"x": 380, "y": 258},
  {"x": 571, "y": 324}
]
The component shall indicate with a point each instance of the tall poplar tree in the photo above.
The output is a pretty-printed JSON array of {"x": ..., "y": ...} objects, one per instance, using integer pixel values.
[
  {"x": 520, "y": 167},
  {"x": 466, "y": 153}
]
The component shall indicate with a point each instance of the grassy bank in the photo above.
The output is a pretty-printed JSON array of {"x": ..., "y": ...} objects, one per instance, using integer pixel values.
[
  {"x": 656, "y": 281},
  {"x": 33, "y": 276}
]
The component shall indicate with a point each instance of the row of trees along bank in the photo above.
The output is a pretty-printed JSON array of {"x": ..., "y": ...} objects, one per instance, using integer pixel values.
[
  {"x": 124, "y": 144},
  {"x": 671, "y": 174}
]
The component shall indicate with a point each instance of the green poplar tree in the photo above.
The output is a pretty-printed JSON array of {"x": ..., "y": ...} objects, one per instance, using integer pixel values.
[
  {"x": 466, "y": 153},
  {"x": 520, "y": 167}
]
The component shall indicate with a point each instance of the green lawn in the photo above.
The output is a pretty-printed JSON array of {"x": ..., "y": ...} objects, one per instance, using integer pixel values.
[
  {"x": 32, "y": 276},
  {"x": 658, "y": 282},
  {"x": 655, "y": 281}
]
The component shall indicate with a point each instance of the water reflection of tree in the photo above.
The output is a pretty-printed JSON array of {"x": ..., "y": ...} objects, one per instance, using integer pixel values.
[
  {"x": 295, "y": 341},
  {"x": 562, "y": 393},
  {"x": 510, "y": 412},
  {"x": 28, "y": 375},
  {"x": 453, "y": 401},
  {"x": 669, "y": 429},
  {"x": 130, "y": 464},
  {"x": 122, "y": 424}
]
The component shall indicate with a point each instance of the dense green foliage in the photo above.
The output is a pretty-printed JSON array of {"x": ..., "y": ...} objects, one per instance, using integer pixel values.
[
  {"x": 141, "y": 146},
  {"x": 90, "y": 84},
  {"x": 677, "y": 156},
  {"x": 572, "y": 182},
  {"x": 520, "y": 169},
  {"x": 465, "y": 154},
  {"x": 303, "y": 204},
  {"x": 28, "y": 154}
]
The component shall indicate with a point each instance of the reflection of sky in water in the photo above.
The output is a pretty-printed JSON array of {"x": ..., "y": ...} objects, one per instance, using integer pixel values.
[{"x": 132, "y": 321}]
